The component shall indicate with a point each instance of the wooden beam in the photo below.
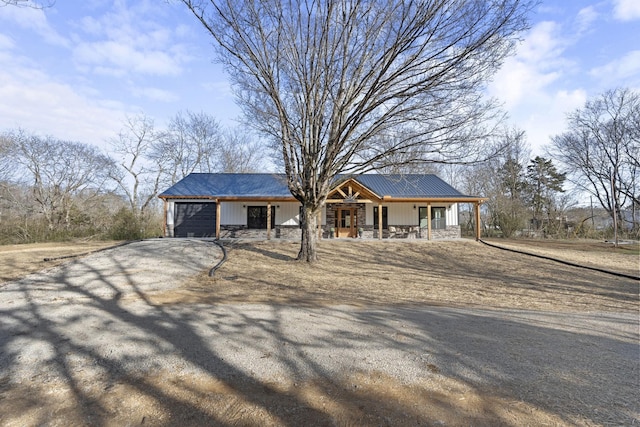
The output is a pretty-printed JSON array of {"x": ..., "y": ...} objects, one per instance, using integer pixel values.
[
  {"x": 268, "y": 220},
  {"x": 319, "y": 225},
  {"x": 339, "y": 190},
  {"x": 379, "y": 221},
  {"x": 218, "y": 219},
  {"x": 428, "y": 221},
  {"x": 342, "y": 201},
  {"x": 478, "y": 229},
  {"x": 164, "y": 226}
]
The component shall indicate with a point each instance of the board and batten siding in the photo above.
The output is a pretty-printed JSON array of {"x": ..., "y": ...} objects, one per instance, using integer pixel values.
[
  {"x": 405, "y": 214},
  {"x": 287, "y": 214}
]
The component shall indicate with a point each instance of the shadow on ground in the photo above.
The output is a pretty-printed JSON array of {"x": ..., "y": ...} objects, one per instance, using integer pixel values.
[{"x": 105, "y": 354}]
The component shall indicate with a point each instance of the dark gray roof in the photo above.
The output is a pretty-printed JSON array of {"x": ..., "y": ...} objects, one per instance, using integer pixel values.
[
  {"x": 230, "y": 185},
  {"x": 407, "y": 185},
  {"x": 274, "y": 185}
]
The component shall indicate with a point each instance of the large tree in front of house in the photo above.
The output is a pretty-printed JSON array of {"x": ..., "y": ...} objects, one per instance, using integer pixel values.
[{"x": 328, "y": 80}]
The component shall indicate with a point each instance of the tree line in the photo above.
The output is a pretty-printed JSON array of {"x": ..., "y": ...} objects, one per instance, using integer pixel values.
[
  {"x": 53, "y": 189},
  {"x": 596, "y": 158},
  {"x": 56, "y": 189}
]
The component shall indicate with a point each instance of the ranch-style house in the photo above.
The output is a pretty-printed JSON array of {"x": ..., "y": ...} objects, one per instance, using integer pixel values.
[{"x": 259, "y": 205}]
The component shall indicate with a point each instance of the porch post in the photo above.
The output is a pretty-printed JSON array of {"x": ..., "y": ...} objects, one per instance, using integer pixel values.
[
  {"x": 477, "y": 212},
  {"x": 319, "y": 224},
  {"x": 268, "y": 220},
  {"x": 218, "y": 219},
  {"x": 164, "y": 226},
  {"x": 428, "y": 221},
  {"x": 379, "y": 221}
]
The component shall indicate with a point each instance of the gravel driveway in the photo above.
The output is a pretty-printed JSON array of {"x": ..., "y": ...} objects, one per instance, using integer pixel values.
[{"x": 91, "y": 316}]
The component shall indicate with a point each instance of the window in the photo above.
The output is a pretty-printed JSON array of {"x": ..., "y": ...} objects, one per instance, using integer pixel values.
[
  {"x": 257, "y": 217},
  {"x": 438, "y": 218},
  {"x": 422, "y": 217},
  {"x": 385, "y": 223}
]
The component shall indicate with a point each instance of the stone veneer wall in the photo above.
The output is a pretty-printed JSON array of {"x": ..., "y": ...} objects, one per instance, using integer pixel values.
[
  {"x": 242, "y": 232},
  {"x": 293, "y": 232},
  {"x": 451, "y": 232}
]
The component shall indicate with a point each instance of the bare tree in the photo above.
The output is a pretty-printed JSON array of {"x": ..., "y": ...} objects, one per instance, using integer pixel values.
[
  {"x": 140, "y": 173},
  {"x": 28, "y": 3},
  {"x": 326, "y": 79},
  {"x": 56, "y": 172},
  {"x": 6, "y": 169},
  {"x": 239, "y": 153},
  {"x": 195, "y": 142},
  {"x": 505, "y": 183},
  {"x": 191, "y": 143},
  {"x": 600, "y": 149}
]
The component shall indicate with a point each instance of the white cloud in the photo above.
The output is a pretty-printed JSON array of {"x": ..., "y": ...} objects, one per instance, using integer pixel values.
[
  {"x": 6, "y": 43},
  {"x": 34, "y": 20},
  {"x": 128, "y": 41},
  {"x": 538, "y": 63},
  {"x": 624, "y": 68},
  {"x": 527, "y": 83},
  {"x": 155, "y": 94},
  {"x": 586, "y": 17},
  {"x": 47, "y": 106},
  {"x": 219, "y": 89},
  {"x": 123, "y": 58},
  {"x": 626, "y": 10},
  {"x": 545, "y": 115}
]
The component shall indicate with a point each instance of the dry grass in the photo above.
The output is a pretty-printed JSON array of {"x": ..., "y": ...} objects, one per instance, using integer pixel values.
[
  {"x": 453, "y": 273},
  {"x": 356, "y": 399},
  {"x": 19, "y": 260},
  {"x": 457, "y": 273}
]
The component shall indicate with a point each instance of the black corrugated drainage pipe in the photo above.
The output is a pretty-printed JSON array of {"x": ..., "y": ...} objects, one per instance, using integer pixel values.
[
  {"x": 224, "y": 258},
  {"x": 601, "y": 270},
  {"x": 92, "y": 252}
]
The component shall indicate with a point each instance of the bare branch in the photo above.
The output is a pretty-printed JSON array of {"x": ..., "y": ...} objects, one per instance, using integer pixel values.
[{"x": 328, "y": 80}]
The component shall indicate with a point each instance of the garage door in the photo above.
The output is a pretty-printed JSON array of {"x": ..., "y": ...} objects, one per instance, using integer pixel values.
[{"x": 195, "y": 220}]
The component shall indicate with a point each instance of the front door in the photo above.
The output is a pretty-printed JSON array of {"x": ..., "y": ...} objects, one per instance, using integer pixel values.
[{"x": 346, "y": 219}]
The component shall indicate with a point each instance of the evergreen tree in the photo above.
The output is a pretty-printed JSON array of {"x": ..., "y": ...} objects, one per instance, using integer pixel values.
[{"x": 543, "y": 183}]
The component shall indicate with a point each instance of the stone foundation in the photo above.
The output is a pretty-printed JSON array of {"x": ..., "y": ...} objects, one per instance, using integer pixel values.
[
  {"x": 242, "y": 232},
  {"x": 368, "y": 232},
  {"x": 294, "y": 233}
]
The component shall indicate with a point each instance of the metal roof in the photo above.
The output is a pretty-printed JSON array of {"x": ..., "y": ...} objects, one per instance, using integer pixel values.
[
  {"x": 230, "y": 185},
  {"x": 408, "y": 185},
  {"x": 264, "y": 185}
]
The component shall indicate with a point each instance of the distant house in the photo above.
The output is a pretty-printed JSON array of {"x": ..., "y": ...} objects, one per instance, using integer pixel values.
[{"x": 260, "y": 206}]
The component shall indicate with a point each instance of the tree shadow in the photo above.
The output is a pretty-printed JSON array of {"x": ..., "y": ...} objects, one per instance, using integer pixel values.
[{"x": 89, "y": 327}]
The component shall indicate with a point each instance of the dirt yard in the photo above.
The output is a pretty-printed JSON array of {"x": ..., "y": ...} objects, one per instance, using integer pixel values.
[
  {"x": 453, "y": 273},
  {"x": 376, "y": 333},
  {"x": 19, "y": 260}
]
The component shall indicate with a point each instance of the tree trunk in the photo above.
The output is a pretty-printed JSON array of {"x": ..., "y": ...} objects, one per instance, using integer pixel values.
[{"x": 309, "y": 219}]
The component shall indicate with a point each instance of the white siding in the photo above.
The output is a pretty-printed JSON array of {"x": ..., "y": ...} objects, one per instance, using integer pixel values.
[
  {"x": 170, "y": 210},
  {"x": 288, "y": 214},
  {"x": 452, "y": 215},
  {"x": 233, "y": 213},
  {"x": 405, "y": 214}
]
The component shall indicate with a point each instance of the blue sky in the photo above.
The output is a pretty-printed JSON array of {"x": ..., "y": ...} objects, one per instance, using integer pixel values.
[{"x": 76, "y": 69}]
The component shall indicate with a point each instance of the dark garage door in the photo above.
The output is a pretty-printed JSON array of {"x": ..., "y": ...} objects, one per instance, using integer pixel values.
[{"x": 195, "y": 220}]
